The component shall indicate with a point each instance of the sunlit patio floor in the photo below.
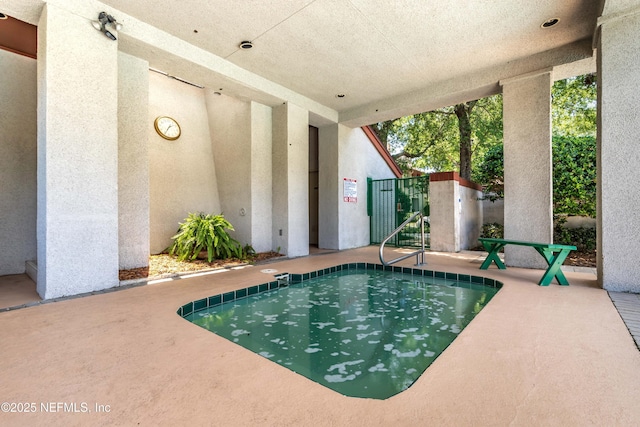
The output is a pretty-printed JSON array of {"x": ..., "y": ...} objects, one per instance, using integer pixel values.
[{"x": 534, "y": 356}]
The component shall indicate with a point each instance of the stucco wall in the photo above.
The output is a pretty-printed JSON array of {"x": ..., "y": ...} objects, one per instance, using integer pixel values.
[
  {"x": 344, "y": 225},
  {"x": 471, "y": 217},
  {"x": 230, "y": 124},
  {"x": 444, "y": 207},
  {"x": 133, "y": 161},
  {"x": 528, "y": 211},
  {"x": 18, "y": 143},
  {"x": 182, "y": 173},
  {"x": 291, "y": 179},
  {"x": 456, "y": 212},
  {"x": 358, "y": 160},
  {"x": 493, "y": 211},
  {"x": 241, "y": 141},
  {"x": 329, "y": 190},
  {"x": 77, "y": 156},
  {"x": 261, "y": 177},
  {"x": 619, "y": 151}
]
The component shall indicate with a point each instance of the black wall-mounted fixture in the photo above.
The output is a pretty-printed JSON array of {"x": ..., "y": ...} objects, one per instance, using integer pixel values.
[{"x": 101, "y": 24}]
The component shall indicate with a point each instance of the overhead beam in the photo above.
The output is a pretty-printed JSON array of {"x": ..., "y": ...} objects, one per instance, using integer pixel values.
[{"x": 467, "y": 88}]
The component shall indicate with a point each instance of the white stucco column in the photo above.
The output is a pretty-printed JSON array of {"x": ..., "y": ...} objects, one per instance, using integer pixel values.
[
  {"x": 329, "y": 187},
  {"x": 133, "y": 161},
  {"x": 618, "y": 215},
  {"x": 528, "y": 179},
  {"x": 291, "y": 180},
  {"x": 261, "y": 177},
  {"x": 77, "y": 220}
]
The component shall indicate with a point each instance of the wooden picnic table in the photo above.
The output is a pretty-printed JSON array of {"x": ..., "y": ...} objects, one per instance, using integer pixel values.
[{"x": 553, "y": 253}]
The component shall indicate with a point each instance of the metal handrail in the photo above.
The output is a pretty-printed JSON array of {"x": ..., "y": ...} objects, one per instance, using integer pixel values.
[{"x": 419, "y": 253}]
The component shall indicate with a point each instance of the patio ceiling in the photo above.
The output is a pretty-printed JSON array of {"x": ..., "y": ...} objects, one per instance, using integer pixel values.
[{"x": 388, "y": 58}]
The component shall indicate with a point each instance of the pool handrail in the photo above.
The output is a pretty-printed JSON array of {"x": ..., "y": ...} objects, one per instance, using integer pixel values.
[{"x": 419, "y": 253}]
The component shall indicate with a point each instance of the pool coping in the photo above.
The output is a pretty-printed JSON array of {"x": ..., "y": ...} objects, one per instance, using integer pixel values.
[{"x": 294, "y": 278}]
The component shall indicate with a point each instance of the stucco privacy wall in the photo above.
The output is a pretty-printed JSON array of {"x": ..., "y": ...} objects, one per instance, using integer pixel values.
[
  {"x": 77, "y": 156},
  {"x": 444, "y": 215},
  {"x": 18, "y": 143},
  {"x": 241, "y": 141},
  {"x": 345, "y": 153},
  {"x": 182, "y": 173},
  {"x": 359, "y": 160},
  {"x": 455, "y": 212},
  {"x": 133, "y": 161},
  {"x": 528, "y": 211},
  {"x": 618, "y": 217},
  {"x": 472, "y": 216},
  {"x": 291, "y": 180}
]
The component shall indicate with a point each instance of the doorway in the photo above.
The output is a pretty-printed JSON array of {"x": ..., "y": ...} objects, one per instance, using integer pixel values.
[{"x": 313, "y": 186}]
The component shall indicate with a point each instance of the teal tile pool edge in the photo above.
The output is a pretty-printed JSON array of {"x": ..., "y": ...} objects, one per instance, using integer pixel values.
[{"x": 212, "y": 301}]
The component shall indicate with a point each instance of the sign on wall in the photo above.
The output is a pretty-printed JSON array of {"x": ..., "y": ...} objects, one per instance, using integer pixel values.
[{"x": 350, "y": 191}]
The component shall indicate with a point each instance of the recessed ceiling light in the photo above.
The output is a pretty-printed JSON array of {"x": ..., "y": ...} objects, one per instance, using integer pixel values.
[
  {"x": 550, "y": 23},
  {"x": 3, "y": 16},
  {"x": 246, "y": 45},
  {"x": 340, "y": 95}
]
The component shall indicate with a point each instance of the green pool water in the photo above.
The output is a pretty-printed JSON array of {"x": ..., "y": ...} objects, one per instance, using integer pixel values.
[{"x": 360, "y": 332}]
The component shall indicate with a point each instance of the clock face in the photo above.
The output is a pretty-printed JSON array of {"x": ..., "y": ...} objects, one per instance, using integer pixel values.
[{"x": 167, "y": 128}]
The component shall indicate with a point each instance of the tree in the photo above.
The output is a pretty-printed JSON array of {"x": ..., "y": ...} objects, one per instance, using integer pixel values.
[
  {"x": 574, "y": 106},
  {"x": 450, "y": 138},
  {"x": 573, "y": 146}
]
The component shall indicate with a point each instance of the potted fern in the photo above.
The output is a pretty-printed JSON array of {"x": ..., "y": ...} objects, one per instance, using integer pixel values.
[{"x": 205, "y": 232}]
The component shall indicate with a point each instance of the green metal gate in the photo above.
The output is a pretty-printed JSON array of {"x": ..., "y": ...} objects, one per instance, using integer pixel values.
[{"x": 392, "y": 201}]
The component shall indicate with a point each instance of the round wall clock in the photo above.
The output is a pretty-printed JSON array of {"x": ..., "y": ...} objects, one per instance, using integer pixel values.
[{"x": 167, "y": 128}]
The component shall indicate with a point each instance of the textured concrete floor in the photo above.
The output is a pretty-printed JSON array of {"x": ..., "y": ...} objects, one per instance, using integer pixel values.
[{"x": 534, "y": 356}]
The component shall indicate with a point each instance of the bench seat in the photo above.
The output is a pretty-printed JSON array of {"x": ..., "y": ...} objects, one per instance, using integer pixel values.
[{"x": 553, "y": 253}]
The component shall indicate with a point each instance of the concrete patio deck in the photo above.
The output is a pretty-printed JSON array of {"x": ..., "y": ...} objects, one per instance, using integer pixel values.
[{"x": 534, "y": 356}]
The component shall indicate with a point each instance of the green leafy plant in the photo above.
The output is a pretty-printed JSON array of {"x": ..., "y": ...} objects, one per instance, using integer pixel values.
[
  {"x": 200, "y": 232},
  {"x": 493, "y": 230},
  {"x": 584, "y": 238}
]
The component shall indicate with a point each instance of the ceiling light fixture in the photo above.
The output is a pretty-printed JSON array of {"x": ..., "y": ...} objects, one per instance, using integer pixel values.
[
  {"x": 101, "y": 24},
  {"x": 3, "y": 16},
  {"x": 550, "y": 23},
  {"x": 340, "y": 95},
  {"x": 246, "y": 45}
]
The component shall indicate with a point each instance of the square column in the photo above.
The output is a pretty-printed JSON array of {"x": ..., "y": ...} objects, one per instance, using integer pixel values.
[
  {"x": 133, "y": 161},
  {"x": 77, "y": 173},
  {"x": 291, "y": 180},
  {"x": 618, "y": 215},
  {"x": 528, "y": 178}
]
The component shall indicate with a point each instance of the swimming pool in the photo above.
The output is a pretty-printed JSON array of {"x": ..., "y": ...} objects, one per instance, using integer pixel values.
[{"x": 363, "y": 330}]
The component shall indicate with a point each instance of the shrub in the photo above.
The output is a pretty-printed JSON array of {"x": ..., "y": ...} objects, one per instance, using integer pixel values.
[
  {"x": 201, "y": 232},
  {"x": 493, "y": 230},
  {"x": 582, "y": 237}
]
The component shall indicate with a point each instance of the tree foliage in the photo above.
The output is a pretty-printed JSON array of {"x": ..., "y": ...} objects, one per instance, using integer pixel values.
[
  {"x": 574, "y": 149},
  {"x": 574, "y": 175},
  {"x": 468, "y": 138},
  {"x": 432, "y": 141},
  {"x": 574, "y": 106}
]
